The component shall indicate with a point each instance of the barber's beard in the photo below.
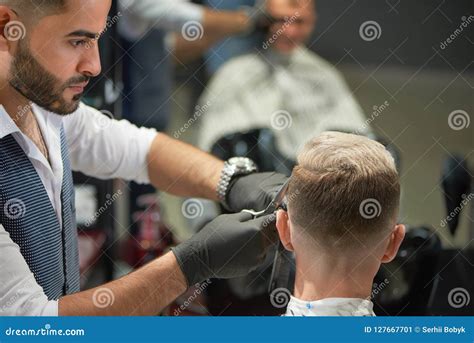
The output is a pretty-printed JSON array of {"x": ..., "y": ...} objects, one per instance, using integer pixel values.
[{"x": 35, "y": 83}]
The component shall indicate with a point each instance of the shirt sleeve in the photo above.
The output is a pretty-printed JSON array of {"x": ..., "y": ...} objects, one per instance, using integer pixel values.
[
  {"x": 20, "y": 294},
  {"x": 164, "y": 14},
  {"x": 105, "y": 148}
]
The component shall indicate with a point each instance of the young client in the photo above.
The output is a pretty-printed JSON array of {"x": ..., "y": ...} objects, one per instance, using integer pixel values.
[{"x": 341, "y": 223}]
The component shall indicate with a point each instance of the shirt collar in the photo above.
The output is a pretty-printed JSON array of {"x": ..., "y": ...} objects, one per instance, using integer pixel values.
[
  {"x": 8, "y": 126},
  {"x": 330, "y": 307}
]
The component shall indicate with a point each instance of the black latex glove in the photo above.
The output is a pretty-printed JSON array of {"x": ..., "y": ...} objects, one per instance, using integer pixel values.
[
  {"x": 254, "y": 191},
  {"x": 230, "y": 246}
]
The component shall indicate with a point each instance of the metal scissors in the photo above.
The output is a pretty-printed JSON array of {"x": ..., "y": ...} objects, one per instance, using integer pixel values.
[
  {"x": 283, "y": 258},
  {"x": 277, "y": 203}
]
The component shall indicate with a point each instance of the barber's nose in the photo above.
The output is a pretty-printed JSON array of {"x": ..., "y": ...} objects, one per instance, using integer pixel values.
[{"x": 90, "y": 63}]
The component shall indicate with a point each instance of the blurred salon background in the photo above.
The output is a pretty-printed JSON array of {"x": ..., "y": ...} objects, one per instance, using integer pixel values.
[{"x": 262, "y": 78}]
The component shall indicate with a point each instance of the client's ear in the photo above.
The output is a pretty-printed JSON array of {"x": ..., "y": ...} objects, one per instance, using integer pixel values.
[
  {"x": 283, "y": 227},
  {"x": 395, "y": 240}
]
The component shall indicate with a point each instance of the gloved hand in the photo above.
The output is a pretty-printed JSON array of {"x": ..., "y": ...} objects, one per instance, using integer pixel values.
[
  {"x": 230, "y": 246},
  {"x": 254, "y": 191}
]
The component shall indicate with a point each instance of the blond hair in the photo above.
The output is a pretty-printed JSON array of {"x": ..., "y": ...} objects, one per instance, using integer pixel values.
[{"x": 344, "y": 189}]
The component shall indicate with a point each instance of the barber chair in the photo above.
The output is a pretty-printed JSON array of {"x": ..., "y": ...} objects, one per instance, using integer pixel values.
[
  {"x": 456, "y": 183},
  {"x": 425, "y": 279},
  {"x": 259, "y": 145},
  {"x": 403, "y": 287},
  {"x": 453, "y": 286}
]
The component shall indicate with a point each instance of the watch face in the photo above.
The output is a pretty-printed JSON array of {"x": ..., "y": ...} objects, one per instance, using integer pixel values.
[
  {"x": 239, "y": 162},
  {"x": 242, "y": 164}
]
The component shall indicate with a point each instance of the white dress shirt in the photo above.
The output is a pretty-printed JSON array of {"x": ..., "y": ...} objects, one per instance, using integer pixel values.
[
  {"x": 330, "y": 307},
  {"x": 99, "y": 147},
  {"x": 139, "y": 16}
]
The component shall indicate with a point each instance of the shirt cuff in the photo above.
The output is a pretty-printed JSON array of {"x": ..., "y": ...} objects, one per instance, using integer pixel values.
[
  {"x": 193, "y": 13},
  {"x": 51, "y": 309},
  {"x": 183, "y": 13},
  {"x": 145, "y": 143}
]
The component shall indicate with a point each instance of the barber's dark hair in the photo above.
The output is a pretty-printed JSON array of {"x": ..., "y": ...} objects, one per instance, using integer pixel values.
[{"x": 35, "y": 8}]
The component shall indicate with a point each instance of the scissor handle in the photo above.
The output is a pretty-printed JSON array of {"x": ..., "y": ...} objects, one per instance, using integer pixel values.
[{"x": 255, "y": 214}]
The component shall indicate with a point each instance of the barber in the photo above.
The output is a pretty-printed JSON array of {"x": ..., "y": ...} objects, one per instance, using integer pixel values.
[{"x": 48, "y": 54}]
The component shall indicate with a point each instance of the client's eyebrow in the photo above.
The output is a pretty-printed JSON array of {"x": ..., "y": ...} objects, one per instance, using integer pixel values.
[{"x": 84, "y": 33}]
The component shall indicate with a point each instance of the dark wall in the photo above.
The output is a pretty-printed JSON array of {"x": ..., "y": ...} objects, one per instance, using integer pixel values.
[{"x": 413, "y": 29}]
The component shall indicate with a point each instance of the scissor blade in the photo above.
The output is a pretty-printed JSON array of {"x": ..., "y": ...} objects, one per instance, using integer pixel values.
[
  {"x": 278, "y": 200},
  {"x": 281, "y": 270}
]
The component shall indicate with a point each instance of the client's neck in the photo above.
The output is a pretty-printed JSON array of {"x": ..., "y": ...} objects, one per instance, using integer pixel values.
[{"x": 332, "y": 278}]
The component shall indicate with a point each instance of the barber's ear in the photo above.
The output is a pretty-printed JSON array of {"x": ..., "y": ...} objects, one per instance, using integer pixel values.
[
  {"x": 284, "y": 231},
  {"x": 395, "y": 240}
]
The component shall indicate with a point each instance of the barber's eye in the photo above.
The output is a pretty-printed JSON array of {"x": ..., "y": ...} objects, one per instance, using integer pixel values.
[{"x": 79, "y": 43}]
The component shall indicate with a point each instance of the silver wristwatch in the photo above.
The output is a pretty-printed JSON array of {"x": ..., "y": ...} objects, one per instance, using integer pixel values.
[{"x": 236, "y": 166}]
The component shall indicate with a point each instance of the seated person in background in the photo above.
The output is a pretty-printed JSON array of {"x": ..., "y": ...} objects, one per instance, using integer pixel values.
[
  {"x": 341, "y": 224},
  {"x": 284, "y": 86}
]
